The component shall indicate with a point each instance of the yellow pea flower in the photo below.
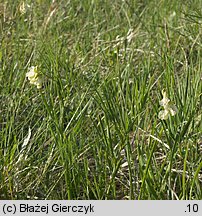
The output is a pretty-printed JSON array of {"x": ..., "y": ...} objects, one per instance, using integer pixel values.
[
  {"x": 33, "y": 77},
  {"x": 23, "y": 7},
  {"x": 169, "y": 108}
]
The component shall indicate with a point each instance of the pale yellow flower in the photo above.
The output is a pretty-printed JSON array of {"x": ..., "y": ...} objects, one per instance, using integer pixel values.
[
  {"x": 169, "y": 108},
  {"x": 165, "y": 101},
  {"x": 23, "y": 7},
  {"x": 33, "y": 77}
]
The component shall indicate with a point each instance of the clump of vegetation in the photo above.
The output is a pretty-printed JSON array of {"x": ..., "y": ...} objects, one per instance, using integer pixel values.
[{"x": 91, "y": 126}]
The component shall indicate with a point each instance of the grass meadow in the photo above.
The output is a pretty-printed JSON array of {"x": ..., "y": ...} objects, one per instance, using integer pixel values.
[{"x": 93, "y": 130}]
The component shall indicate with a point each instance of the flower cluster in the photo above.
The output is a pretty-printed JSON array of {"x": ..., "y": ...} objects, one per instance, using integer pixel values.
[
  {"x": 169, "y": 108},
  {"x": 23, "y": 7},
  {"x": 33, "y": 77}
]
